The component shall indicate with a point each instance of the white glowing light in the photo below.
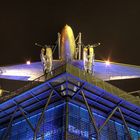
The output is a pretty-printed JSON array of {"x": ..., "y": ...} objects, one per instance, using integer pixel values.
[
  {"x": 123, "y": 77},
  {"x": 28, "y": 62},
  {"x": 107, "y": 63}
]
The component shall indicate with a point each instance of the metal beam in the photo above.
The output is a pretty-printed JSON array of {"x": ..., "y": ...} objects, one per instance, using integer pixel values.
[
  {"x": 130, "y": 114},
  {"x": 104, "y": 111},
  {"x": 36, "y": 98},
  {"x": 71, "y": 83},
  {"x": 67, "y": 118},
  {"x": 100, "y": 96},
  {"x": 32, "y": 104},
  {"x": 54, "y": 90},
  {"x": 42, "y": 115},
  {"x": 24, "y": 115},
  {"x": 79, "y": 90},
  {"x": 90, "y": 114},
  {"x": 118, "y": 104},
  {"x": 22, "y": 111},
  {"x": 125, "y": 124},
  {"x": 9, "y": 125},
  {"x": 46, "y": 91},
  {"x": 111, "y": 114},
  {"x": 3, "y": 112},
  {"x": 58, "y": 85}
]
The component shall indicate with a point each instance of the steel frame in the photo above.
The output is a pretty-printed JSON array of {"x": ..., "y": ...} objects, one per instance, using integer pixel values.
[
  {"x": 42, "y": 115},
  {"x": 67, "y": 99},
  {"x": 91, "y": 115},
  {"x": 66, "y": 117},
  {"x": 26, "y": 119},
  {"x": 35, "y": 130},
  {"x": 9, "y": 125}
]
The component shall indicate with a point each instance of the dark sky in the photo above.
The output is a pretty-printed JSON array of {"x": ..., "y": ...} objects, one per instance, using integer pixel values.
[{"x": 115, "y": 24}]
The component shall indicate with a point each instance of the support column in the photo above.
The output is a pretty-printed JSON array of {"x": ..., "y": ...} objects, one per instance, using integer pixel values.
[
  {"x": 91, "y": 115},
  {"x": 67, "y": 118},
  {"x": 125, "y": 124},
  {"x": 109, "y": 117},
  {"x": 106, "y": 121},
  {"x": 9, "y": 125},
  {"x": 42, "y": 115},
  {"x": 29, "y": 123}
]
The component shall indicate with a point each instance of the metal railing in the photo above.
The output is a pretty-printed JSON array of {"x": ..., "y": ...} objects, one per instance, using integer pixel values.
[
  {"x": 102, "y": 84},
  {"x": 59, "y": 70},
  {"x": 78, "y": 73}
]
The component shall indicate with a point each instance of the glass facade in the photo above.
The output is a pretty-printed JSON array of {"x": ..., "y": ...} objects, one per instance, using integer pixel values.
[{"x": 79, "y": 126}]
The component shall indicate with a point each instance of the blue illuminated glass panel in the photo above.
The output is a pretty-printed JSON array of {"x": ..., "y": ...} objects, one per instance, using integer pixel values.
[
  {"x": 79, "y": 128},
  {"x": 80, "y": 125},
  {"x": 50, "y": 129}
]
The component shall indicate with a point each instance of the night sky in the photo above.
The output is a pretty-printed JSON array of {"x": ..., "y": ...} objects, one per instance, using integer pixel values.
[{"x": 115, "y": 24}]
